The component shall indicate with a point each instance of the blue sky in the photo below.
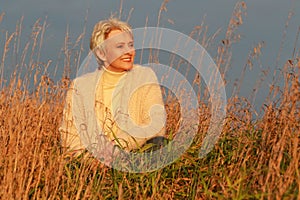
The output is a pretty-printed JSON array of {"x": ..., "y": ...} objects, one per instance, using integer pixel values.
[{"x": 265, "y": 21}]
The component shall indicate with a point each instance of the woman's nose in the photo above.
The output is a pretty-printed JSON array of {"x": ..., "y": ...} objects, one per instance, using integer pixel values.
[{"x": 129, "y": 50}]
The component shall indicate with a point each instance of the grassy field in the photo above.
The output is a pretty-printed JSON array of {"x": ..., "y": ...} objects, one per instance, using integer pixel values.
[{"x": 253, "y": 159}]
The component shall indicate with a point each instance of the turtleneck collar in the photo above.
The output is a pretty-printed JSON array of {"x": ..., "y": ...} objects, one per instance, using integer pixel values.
[{"x": 111, "y": 77}]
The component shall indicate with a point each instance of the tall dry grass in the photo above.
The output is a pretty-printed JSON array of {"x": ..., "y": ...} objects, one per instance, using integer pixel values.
[{"x": 253, "y": 159}]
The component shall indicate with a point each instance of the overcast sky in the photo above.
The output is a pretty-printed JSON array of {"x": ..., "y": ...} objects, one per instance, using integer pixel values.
[{"x": 265, "y": 21}]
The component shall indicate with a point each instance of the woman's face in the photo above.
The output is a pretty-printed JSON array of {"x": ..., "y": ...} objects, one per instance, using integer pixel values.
[{"x": 119, "y": 51}]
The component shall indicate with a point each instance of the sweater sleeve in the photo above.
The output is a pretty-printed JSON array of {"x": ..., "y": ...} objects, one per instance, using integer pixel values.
[
  {"x": 146, "y": 107},
  {"x": 70, "y": 139},
  {"x": 153, "y": 110}
]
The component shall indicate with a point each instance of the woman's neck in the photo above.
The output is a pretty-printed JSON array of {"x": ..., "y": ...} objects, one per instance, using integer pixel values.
[{"x": 111, "y": 77}]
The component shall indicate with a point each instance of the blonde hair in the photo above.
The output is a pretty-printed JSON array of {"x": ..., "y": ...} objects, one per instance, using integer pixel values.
[
  {"x": 103, "y": 28},
  {"x": 101, "y": 31}
]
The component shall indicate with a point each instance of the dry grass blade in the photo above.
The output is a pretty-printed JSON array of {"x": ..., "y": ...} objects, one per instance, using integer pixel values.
[{"x": 254, "y": 158}]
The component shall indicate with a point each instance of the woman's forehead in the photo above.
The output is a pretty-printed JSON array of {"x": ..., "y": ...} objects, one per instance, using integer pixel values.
[{"x": 119, "y": 36}]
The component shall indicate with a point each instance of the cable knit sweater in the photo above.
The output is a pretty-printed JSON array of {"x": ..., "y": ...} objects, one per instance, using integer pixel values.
[{"x": 126, "y": 108}]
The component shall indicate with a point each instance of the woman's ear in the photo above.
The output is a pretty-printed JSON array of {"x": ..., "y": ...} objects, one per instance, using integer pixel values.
[{"x": 100, "y": 54}]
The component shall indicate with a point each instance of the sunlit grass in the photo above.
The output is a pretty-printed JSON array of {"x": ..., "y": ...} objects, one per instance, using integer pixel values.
[{"x": 253, "y": 159}]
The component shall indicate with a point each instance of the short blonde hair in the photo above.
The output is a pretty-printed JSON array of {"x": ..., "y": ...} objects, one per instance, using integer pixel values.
[{"x": 103, "y": 28}]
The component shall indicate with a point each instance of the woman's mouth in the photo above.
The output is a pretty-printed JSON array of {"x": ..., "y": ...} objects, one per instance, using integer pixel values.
[{"x": 127, "y": 59}]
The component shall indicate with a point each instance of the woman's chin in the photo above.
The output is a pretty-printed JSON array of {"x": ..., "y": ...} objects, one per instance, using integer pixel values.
[{"x": 128, "y": 67}]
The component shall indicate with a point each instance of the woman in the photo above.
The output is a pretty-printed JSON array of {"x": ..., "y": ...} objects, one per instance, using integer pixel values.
[{"x": 119, "y": 104}]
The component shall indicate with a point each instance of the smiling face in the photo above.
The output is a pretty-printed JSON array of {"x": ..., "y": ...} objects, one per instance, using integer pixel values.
[{"x": 119, "y": 51}]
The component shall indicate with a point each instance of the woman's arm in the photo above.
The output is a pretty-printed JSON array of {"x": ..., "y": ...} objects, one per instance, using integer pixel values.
[{"x": 70, "y": 139}]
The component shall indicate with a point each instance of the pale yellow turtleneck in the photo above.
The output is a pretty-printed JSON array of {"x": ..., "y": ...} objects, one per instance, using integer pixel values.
[{"x": 104, "y": 93}]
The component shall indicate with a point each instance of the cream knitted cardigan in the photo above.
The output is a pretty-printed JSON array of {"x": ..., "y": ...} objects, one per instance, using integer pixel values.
[{"x": 138, "y": 110}]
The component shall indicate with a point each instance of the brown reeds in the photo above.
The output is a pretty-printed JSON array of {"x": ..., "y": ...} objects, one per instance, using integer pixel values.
[{"x": 253, "y": 159}]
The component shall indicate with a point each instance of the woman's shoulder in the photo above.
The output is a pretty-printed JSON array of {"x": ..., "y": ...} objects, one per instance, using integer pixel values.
[
  {"x": 86, "y": 81},
  {"x": 141, "y": 73},
  {"x": 142, "y": 69},
  {"x": 88, "y": 77}
]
